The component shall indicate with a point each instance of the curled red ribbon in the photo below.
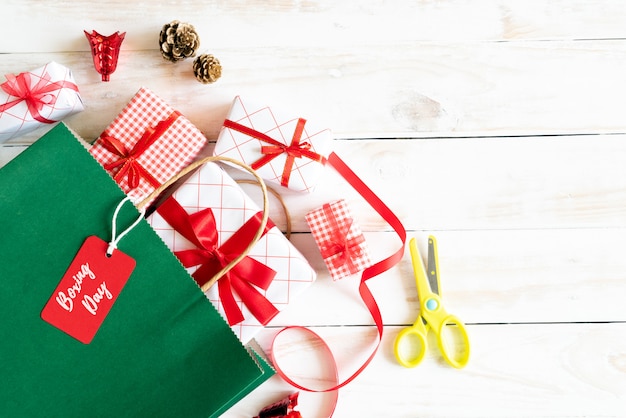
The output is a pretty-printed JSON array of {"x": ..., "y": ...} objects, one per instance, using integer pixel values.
[
  {"x": 295, "y": 149},
  {"x": 131, "y": 168},
  {"x": 201, "y": 230},
  {"x": 372, "y": 271},
  {"x": 35, "y": 97},
  {"x": 285, "y": 408},
  {"x": 347, "y": 250}
]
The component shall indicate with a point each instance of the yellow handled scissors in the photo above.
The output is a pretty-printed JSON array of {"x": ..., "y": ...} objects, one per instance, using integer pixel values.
[{"x": 450, "y": 331}]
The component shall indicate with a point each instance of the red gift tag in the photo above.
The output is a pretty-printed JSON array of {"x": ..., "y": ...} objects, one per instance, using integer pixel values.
[{"x": 88, "y": 289}]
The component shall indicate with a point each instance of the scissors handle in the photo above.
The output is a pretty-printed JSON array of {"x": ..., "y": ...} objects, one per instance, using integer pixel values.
[
  {"x": 453, "y": 341},
  {"x": 409, "y": 347}
]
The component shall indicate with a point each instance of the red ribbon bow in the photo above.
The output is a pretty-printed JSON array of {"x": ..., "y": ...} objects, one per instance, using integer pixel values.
[
  {"x": 294, "y": 150},
  {"x": 339, "y": 244},
  {"x": 131, "y": 168},
  {"x": 35, "y": 97},
  {"x": 200, "y": 229}
]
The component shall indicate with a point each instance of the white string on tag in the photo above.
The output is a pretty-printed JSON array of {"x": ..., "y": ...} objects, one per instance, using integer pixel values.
[{"x": 116, "y": 238}]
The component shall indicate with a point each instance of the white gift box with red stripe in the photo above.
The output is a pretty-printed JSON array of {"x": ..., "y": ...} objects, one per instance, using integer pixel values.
[
  {"x": 281, "y": 146},
  {"x": 211, "y": 193},
  {"x": 147, "y": 144},
  {"x": 36, "y": 98}
]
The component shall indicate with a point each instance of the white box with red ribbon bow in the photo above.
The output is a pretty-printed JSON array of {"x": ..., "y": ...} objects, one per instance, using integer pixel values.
[
  {"x": 283, "y": 148},
  {"x": 207, "y": 222},
  {"x": 32, "y": 99}
]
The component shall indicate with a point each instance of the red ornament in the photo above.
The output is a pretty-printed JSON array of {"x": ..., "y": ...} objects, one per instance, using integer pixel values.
[
  {"x": 281, "y": 409},
  {"x": 105, "y": 50}
]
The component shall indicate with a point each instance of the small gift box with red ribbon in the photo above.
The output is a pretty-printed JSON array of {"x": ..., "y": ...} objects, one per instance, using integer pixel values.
[
  {"x": 36, "y": 98},
  {"x": 283, "y": 148},
  {"x": 146, "y": 144},
  {"x": 339, "y": 239},
  {"x": 207, "y": 223}
]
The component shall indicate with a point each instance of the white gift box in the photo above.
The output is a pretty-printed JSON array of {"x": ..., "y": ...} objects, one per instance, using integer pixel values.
[
  {"x": 210, "y": 187},
  {"x": 35, "y": 98},
  {"x": 281, "y": 146}
]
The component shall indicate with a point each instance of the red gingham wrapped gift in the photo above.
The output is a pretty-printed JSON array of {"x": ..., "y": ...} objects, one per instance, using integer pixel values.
[
  {"x": 212, "y": 210},
  {"x": 339, "y": 239},
  {"x": 32, "y": 99},
  {"x": 283, "y": 148},
  {"x": 147, "y": 144}
]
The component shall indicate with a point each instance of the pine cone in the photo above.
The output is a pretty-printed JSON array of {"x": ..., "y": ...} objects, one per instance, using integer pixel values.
[
  {"x": 178, "y": 41},
  {"x": 207, "y": 68}
]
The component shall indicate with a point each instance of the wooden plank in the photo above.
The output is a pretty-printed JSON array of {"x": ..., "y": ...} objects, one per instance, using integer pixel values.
[
  {"x": 558, "y": 370},
  {"x": 510, "y": 276},
  {"x": 481, "y": 183},
  {"x": 7, "y": 153},
  {"x": 221, "y": 24},
  {"x": 496, "y": 183},
  {"x": 429, "y": 90}
]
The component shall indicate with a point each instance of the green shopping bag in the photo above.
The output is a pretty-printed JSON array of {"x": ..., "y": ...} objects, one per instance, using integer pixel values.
[{"x": 160, "y": 351}]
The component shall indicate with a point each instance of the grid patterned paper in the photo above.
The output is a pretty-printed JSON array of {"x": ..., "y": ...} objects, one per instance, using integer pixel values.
[
  {"x": 168, "y": 155},
  {"x": 322, "y": 229},
  {"x": 280, "y": 126},
  {"x": 211, "y": 187},
  {"x": 17, "y": 120}
]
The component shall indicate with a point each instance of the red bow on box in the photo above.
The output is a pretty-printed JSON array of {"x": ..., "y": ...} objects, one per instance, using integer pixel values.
[
  {"x": 294, "y": 150},
  {"x": 347, "y": 250},
  {"x": 200, "y": 229},
  {"x": 131, "y": 168},
  {"x": 35, "y": 97}
]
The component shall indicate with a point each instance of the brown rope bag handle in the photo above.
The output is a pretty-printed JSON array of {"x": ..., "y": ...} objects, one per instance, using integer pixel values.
[{"x": 193, "y": 166}]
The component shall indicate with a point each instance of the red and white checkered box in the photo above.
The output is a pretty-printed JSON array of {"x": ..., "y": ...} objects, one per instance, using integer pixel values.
[
  {"x": 282, "y": 147},
  {"x": 35, "y": 98},
  {"x": 211, "y": 187},
  {"x": 174, "y": 143},
  {"x": 339, "y": 239}
]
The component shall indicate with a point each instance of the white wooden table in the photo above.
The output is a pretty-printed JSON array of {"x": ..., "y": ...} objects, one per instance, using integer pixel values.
[{"x": 498, "y": 126}]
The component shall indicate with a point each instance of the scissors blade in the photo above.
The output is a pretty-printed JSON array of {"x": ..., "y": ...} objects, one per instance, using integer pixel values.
[{"x": 433, "y": 265}]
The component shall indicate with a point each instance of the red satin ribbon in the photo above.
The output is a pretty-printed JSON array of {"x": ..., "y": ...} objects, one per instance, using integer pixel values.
[
  {"x": 131, "y": 168},
  {"x": 294, "y": 150},
  {"x": 339, "y": 244},
  {"x": 370, "y": 272},
  {"x": 200, "y": 229},
  {"x": 35, "y": 97}
]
